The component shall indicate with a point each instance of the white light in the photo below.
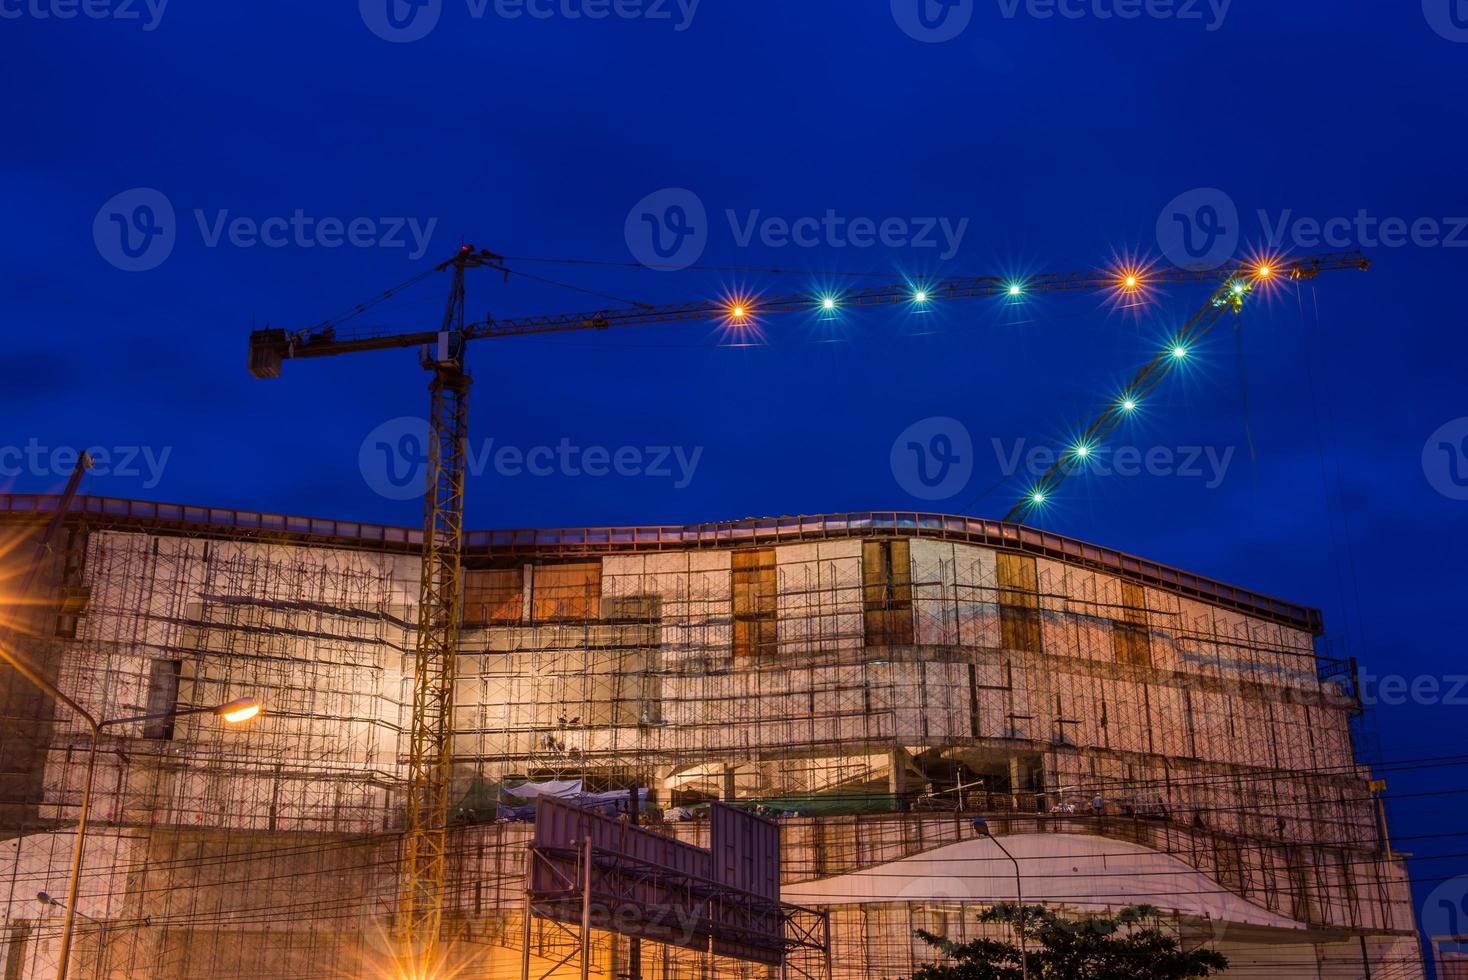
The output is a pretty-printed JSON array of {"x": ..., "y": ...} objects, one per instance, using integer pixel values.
[{"x": 921, "y": 296}]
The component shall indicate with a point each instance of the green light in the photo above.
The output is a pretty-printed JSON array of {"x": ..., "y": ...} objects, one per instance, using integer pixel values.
[
  {"x": 1179, "y": 351},
  {"x": 1037, "y": 497},
  {"x": 1128, "y": 405},
  {"x": 1238, "y": 288},
  {"x": 1015, "y": 289},
  {"x": 1080, "y": 450},
  {"x": 828, "y": 303},
  {"x": 920, "y": 296}
]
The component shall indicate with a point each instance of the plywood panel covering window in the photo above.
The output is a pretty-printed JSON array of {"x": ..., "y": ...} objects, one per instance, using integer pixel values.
[
  {"x": 1131, "y": 639},
  {"x": 886, "y": 571},
  {"x": 1019, "y": 603},
  {"x": 560, "y": 593},
  {"x": 494, "y": 596},
  {"x": 755, "y": 603}
]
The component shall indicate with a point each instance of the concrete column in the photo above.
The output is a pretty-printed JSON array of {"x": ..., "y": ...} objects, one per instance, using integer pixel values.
[
  {"x": 897, "y": 783},
  {"x": 1016, "y": 780}
]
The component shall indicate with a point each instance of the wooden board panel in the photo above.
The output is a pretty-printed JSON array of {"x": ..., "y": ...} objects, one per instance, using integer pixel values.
[
  {"x": 566, "y": 592},
  {"x": 493, "y": 596}
]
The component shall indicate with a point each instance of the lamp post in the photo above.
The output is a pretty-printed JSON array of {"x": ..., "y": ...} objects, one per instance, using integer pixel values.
[
  {"x": 231, "y": 712},
  {"x": 47, "y": 899},
  {"x": 982, "y": 827}
]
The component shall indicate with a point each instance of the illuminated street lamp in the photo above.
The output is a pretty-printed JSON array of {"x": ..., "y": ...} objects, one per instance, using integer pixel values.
[
  {"x": 231, "y": 712},
  {"x": 981, "y": 826}
]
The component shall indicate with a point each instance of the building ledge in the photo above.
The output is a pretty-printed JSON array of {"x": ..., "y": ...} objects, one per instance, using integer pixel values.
[{"x": 113, "y": 512}]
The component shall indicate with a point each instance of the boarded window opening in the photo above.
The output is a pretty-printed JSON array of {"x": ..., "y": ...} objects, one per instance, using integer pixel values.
[
  {"x": 886, "y": 570},
  {"x": 162, "y": 698},
  {"x": 1131, "y": 638},
  {"x": 494, "y": 596},
  {"x": 755, "y": 603},
  {"x": 565, "y": 593},
  {"x": 639, "y": 678},
  {"x": 1019, "y": 603}
]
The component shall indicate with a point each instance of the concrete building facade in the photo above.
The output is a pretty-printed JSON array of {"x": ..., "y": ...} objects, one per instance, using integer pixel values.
[{"x": 1133, "y": 733}]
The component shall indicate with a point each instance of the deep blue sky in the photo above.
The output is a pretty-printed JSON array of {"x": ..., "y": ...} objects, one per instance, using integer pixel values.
[{"x": 1060, "y": 141}]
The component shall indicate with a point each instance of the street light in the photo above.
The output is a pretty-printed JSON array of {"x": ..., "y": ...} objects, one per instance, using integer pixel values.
[
  {"x": 982, "y": 826},
  {"x": 45, "y": 898},
  {"x": 231, "y": 712}
]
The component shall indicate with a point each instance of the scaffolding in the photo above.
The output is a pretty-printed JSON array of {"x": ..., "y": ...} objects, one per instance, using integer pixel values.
[{"x": 872, "y": 689}]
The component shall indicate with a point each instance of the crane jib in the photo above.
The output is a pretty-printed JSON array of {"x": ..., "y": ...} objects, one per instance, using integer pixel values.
[{"x": 271, "y": 346}]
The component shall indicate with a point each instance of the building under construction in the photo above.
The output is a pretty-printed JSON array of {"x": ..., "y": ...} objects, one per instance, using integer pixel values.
[{"x": 1132, "y": 733}]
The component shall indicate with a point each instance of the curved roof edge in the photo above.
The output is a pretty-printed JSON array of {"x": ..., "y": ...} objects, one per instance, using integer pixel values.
[
  {"x": 1077, "y": 870},
  {"x": 612, "y": 540}
]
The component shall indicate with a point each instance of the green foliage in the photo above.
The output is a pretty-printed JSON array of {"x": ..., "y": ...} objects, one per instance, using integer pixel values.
[{"x": 1129, "y": 945}]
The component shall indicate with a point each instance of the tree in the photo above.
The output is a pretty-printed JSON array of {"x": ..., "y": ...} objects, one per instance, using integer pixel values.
[{"x": 1129, "y": 945}]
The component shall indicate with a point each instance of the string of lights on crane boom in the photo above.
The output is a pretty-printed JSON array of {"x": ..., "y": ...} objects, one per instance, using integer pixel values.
[
  {"x": 740, "y": 309},
  {"x": 1130, "y": 283},
  {"x": 1227, "y": 298}
]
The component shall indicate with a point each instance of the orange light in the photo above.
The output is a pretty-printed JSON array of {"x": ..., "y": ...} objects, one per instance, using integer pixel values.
[
  {"x": 1265, "y": 271},
  {"x": 739, "y": 315},
  {"x": 238, "y": 710},
  {"x": 1130, "y": 283},
  {"x": 244, "y": 714}
]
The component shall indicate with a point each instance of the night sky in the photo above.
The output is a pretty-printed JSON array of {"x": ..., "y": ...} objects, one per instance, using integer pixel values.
[{"x": 845, "y": 143}]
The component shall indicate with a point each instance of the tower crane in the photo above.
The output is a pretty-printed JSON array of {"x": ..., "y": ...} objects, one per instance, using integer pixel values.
[{"x": 442, "y": 354}]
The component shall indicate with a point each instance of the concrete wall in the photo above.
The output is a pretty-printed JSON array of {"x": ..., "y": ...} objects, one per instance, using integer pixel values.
[{"x": 654, "y": 691}]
